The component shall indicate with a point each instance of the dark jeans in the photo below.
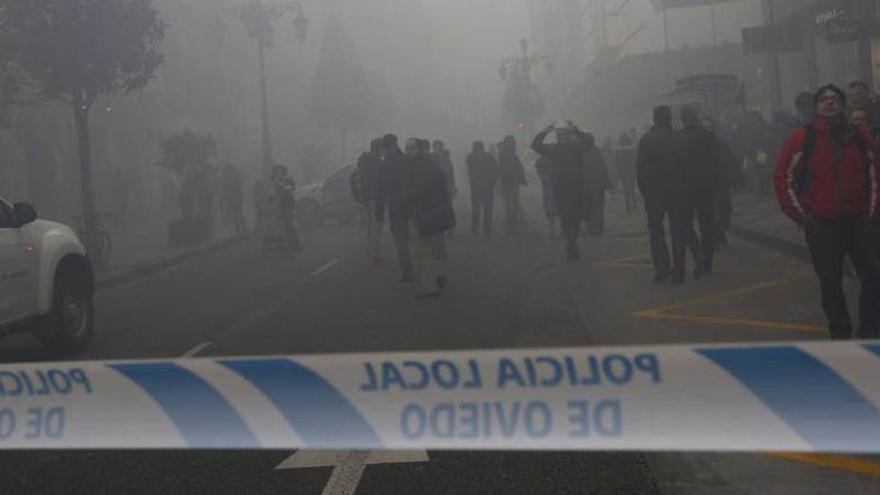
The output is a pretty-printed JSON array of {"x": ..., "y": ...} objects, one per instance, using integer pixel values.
[
  {"x": 286, "y": 218},
  {"x": 400, "y": 233},
  {"x": 629, "y": 193},
  {"x": 513, "y": 212},
  {"x": 699, "y": 203},
  {"x": 659, "y": 205},
  {"x": 725, "y": 209},
  {"x": 829, "y": 242},
  {"x": 481, "y": 206},
  {"x": 594, "y": 212},
  {"x": 571, "y": 215}
]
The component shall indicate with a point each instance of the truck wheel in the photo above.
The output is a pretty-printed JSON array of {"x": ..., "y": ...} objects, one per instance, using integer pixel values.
[{"x": 67, "y": 330}]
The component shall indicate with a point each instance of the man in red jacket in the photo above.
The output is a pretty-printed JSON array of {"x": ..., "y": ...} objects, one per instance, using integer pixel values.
[{"x": 826, "y": 180}]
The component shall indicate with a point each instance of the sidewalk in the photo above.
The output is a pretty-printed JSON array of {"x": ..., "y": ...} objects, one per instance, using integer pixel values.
[
  {"x": 759, "y": 219},
  {"x": 139, "y": 252}
]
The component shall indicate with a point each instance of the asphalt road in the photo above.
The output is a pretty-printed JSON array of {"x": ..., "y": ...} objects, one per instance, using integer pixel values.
[{"x": 505, "y": 292}]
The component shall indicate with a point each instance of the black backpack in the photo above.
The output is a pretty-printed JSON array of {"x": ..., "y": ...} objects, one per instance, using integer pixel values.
[
  {"x": 804, "y": 176},
  {"x": 356, "y": 181}
]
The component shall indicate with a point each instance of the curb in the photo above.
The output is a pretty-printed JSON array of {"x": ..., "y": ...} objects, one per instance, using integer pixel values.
[
  {"x": 152, "y": 268},
  {"x": 793, "y": 249}
]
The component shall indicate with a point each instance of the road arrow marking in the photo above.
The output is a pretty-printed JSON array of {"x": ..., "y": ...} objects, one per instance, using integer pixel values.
[
  {"x": 325, "y": 267},
  {"x": 348, "y": 465}
]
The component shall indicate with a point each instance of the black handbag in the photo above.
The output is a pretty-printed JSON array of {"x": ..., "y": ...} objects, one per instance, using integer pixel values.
[{"x": 435, "y": 221}]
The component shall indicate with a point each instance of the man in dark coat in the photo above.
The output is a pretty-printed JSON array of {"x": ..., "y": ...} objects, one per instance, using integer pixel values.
[
  {"x": 368, "y": 169},
  {"x": 567, "y": 175},
  {"x": 730, "y": 176},
  {"x": 696, "y": 190},
  {"x": 483, "y": 174},
  {"x": 659, "y": 157},
  {"x": 597, "y": 181},
  {"x": 625, "y": 163},
  {"x": 392, "y": 197},
  {"x": 431, "y": 216},
  {"x": 512, "y": 177}
]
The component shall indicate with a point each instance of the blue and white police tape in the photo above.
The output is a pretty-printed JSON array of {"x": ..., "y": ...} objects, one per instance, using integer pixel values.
[{"x": 819, "y": 397}]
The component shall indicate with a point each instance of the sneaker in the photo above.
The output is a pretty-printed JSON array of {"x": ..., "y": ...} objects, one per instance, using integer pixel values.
[{"x": 662, "y": 277}]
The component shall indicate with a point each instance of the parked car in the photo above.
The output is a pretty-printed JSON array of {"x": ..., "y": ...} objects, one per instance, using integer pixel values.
[
  {"x": 329, "y": 199},
  {"x": 47, "y": 286}
]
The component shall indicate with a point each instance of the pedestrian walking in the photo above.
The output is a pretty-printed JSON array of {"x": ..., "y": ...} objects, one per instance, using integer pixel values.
[
  {"x": 392, "y": 200},
  {"x": 232, "y": 203},
  {"x": 431, "y": 216},
  {"x": 512, "y": 177},
  {"x": 444, "y": 160},
  {"x": 696, "y": 189},
  {"x": 658, "y": 162},
  {"x": 567, "y": 175},
  {"x": 483, "y": 174},
  {"x": 756, "y": 150},
  {"x": 284, "y": 189},
  {"x": 826, "y": 180},
  {"x": 365, "y": 189},
  {"x": 625, "y": 163},
  {"x": 730, "y": 176},
  {"x": 597, "y": 181},
  {"x": 548, "y": 202}
]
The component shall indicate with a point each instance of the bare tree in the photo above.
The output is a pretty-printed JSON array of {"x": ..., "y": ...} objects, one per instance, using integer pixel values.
[
  {"x": 75, "y": 51},
  {"x": 341, "y": 98}
]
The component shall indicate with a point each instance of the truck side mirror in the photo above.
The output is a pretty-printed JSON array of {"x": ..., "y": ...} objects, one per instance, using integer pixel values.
[{"x": 25, "y": 212}]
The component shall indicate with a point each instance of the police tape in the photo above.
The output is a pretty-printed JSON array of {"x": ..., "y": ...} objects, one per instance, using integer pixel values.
[{"x": 808, "y": 397}]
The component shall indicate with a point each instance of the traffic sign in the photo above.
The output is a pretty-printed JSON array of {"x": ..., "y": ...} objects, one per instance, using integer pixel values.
[{"x": 769, "y": 39}]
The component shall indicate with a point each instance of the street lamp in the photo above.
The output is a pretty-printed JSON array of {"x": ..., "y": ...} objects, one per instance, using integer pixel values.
[
  {"x": 522, "y": 101},
  {"x": 301, "y": 24},
  {"x": 259, "y": 18}
]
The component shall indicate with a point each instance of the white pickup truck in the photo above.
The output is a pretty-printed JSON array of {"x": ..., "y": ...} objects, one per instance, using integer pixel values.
[{"x": 47, "y": 285}]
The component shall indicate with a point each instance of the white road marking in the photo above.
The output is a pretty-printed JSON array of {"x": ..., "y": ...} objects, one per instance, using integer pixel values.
[
  {"x": 348, "y": 465},
  {"x": 197, "y": 349},
  {"x": 346, "y": 477},
  {"x": 326, "y": 267}
]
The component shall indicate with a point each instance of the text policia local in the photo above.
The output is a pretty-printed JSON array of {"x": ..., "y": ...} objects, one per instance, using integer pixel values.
[
  {"x": 579, "y": 417},
  {"x": 33, "y": 422}
]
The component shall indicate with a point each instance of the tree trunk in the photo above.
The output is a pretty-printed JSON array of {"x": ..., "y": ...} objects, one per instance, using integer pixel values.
[
  {"x": 268, "y": 161},
  {"x": 87, "y": 193},
  {"x": 343, "y": 137}
]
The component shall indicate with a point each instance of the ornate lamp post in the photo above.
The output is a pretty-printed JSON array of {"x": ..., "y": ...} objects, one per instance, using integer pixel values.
[
  {"x": 522, "y": 102},
  {"x": 259, "y": 18}
]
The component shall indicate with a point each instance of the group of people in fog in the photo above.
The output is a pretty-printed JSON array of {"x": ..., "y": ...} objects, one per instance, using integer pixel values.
[
  {"x": 685, "y": 177},
  {"x": 825, "y": 179},
  {"x": 413, "y": 189}
]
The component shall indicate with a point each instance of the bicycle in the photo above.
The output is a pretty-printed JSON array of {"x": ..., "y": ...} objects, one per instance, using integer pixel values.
[{"x": 105, "y": 242}]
